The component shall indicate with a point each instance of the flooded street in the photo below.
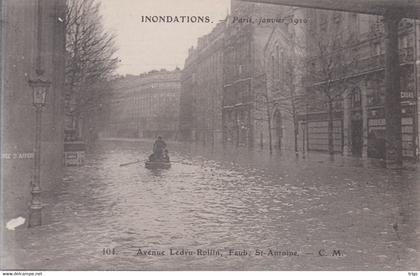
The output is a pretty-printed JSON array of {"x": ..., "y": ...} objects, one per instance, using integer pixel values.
[{"x": 314, "y": 214}]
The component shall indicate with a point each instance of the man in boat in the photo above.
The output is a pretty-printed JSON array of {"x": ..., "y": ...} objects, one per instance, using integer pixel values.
[
  {"x": 158, "y": 150},
  {"x": 165, "y": 156}
]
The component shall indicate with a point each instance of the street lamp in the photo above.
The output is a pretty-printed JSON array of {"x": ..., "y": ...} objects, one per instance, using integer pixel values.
[{"x": 39, "y": 92}]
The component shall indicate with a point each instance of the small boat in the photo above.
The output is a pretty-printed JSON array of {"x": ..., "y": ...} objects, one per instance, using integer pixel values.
[{"x": 157, "y": 164}]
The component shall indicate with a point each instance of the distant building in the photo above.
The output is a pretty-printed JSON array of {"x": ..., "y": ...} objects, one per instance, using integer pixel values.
[
  {"x": 359, "y": 115},
  {"x": 201, "y": 89},
  {"x": 187, "y": 102},
  {"x": 145, "y": 106}
]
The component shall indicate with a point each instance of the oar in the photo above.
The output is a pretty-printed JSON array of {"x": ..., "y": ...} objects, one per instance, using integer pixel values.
[
  {"x": 126, "y": 164},
  {"x": 181, "y": 162},
  {"x": 172, "y": 161}
]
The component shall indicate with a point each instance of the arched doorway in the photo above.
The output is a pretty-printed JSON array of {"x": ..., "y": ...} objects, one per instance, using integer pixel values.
[{"x": 278, "y": 128}]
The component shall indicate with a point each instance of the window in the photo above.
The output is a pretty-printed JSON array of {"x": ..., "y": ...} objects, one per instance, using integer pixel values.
[
  {"x": 337, "y": 18},
  {"x": 323, "y": 25},
  {"x": 377, "y": 48},
  {"x": 356, "y": 97},
  {"x": 283, "y": 69},
  {"x": 364, "y": 22},
  {"x": 272, "y": 69},
  {"x": 377, "y": 26},
  {"x": 353, "y": 24},
  {"x": 403, "y": 42}
]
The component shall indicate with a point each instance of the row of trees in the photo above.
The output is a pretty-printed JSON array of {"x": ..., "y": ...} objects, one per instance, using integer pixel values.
[{"x": 90, "y": 63}]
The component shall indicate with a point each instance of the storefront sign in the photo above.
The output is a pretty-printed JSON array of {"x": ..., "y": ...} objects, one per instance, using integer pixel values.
[
  {"x": 407, "y": 95},
  {"x": 20, "y": 155}
]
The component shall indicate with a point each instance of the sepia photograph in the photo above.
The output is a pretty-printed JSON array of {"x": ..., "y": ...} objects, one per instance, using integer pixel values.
[{"x": 209, "y": 135}]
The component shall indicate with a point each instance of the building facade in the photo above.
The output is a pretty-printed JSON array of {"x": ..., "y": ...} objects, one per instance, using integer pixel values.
[
  {"x": 145, "y": 106},
  {"x": 202, "y": 86},
  {"x": 187, "y": 106},
  {"x": 271, "y": 81},
  {"x": 279, "y": 107},
  {"x": 247, "y": 105},
  {"x": 229, "y": 94},
  {"x": 358, "y": 115}
]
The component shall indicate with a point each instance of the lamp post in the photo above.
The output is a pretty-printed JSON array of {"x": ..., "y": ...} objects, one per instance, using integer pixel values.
[{"x": 39, "y": 91}]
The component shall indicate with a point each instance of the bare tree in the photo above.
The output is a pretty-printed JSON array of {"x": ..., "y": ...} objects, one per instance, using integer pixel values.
[
  {"x": 90, "y": 58},
  {"x": 283, "y": 86},
  {"x": 291, "y": 101},
  {"x": 264, "y": 105},
  {"x": 330, "y": 68}
]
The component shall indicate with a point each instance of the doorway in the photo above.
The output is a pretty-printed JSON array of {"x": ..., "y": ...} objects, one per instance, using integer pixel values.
[
  {"x": 278, "y": 126},
  {"x": 356, "y": 137}
]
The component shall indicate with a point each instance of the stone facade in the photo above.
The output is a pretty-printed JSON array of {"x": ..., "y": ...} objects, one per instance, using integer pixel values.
[
  {"x": 145, "y": 106},
  {"x": 202, "y": 86},
  {"x": 229, "y": 94},
  {"x": 279, "y": 107},
  {"x": 244, "y": 114}
]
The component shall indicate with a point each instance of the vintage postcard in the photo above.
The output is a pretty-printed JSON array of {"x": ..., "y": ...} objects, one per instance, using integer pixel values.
[{"x": 234, "y": 135}]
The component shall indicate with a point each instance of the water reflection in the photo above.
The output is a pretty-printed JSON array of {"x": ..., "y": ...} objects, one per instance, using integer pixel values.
[{"x": 224, "y": 199}]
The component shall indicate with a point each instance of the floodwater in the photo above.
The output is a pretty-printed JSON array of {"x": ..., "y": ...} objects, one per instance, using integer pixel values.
[{"x": 225, "y": 209}]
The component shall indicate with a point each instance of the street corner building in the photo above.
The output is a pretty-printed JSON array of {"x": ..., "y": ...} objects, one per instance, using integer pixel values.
[
  {"x": 32, "y": 47},
  {"x": 145, "y": 105},
  {"x": 357, "y": 93}
]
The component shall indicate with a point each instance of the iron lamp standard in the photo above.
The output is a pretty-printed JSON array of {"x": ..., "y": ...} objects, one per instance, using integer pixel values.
[{"x": 39, "y": 89}]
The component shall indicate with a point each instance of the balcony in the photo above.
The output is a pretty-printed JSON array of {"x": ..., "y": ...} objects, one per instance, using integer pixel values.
[{"x": 378, "y": 61}]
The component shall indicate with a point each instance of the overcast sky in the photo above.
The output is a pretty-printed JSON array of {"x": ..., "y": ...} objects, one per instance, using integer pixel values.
[{"x": 147, "y": 46}]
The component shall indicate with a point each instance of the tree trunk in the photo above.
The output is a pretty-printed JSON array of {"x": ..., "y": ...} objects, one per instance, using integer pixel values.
[
  {"x": 270, "y": 138},
  {"x": 296, "y": 133},
  {"x": 303, "y": 141},
  {"x": 392, "y": 93},
  {"x": 330, "y": 128},
  {"x": 295, "y": 123},
  {"x": 237, "y": 129}
]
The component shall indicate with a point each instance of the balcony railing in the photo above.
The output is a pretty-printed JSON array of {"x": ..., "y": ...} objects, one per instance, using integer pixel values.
[
  {"x": 378, "y": 61},
  {"x": 374, "y": 62}
]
